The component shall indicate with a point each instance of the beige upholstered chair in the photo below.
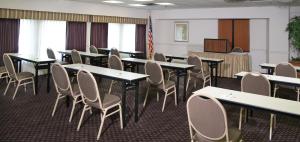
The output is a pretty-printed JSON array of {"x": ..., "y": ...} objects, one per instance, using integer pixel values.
[
  {"x": 287, "y": 70},
  {"x": 197, "y": 72},
  {"x": 161, "y": 57},
  {"x": 114, "y": 62},
  {"x": 257, "y": 84},
  {"x": 22, "y": 78},
  {"x": 237, "y": 49},
  {"x": 156, "y": 80},
  {"x": 114, "y": 51},
  {"x": 64, "y": 88},
  {"x": 92, "y": 99},
  {"x": 76, "y": 58},
  {"x": 93, "y": 49},
  {"x": 207, "y": 120},
  {"x": 3, "y": 73},
  {"x": 51, "y": 55}
]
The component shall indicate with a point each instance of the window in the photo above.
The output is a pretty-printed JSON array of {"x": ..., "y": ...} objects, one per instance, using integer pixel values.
[
  {"x": 38, "y": 35},
  {"x": 121, "y": 36}
]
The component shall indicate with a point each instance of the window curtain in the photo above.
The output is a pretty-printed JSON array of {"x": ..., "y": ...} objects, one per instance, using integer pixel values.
[
  {"x": 76, "y": 36},
  {"x": 121, "y": 36},
  {"x": 140, "y": 38},
  {"x": 99, "y": 34},
  {"x": 9, "y": 36}
]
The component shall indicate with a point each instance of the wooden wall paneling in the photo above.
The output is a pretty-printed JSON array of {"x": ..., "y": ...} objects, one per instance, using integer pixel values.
[
  {"x": 225, "y": 30},
  {"x": 242, "y": 34}
]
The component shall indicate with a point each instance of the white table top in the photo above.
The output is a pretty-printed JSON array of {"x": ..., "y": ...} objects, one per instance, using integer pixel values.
[
  {"x": 270, "y": 65},
  {"x": 126, "y": 52},
  {"x": 88, "y": 54},
  {"x": 31, "y": 58},
  {"x": 275, "y": 78},
  {"x": 163, "y": 64},
  {"x": 253, "y": 100},
  {"x": 111, "y": 73}
]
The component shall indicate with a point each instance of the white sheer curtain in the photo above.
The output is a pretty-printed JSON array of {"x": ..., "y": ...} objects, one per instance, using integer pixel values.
[
  {"x": 38, "y": 35},
  {"x": 121, "y": 36}
]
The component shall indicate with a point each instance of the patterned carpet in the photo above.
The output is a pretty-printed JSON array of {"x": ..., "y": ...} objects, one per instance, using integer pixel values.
[{"x": 28, "y": 118}]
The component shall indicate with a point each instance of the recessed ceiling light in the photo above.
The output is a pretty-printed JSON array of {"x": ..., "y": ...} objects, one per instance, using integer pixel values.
[
  {"x": 143, "y": 0},
  {"x": 165, "y": 3},
  {"x": 113, "y": 1},
  {"x": 137, "y": 5}
]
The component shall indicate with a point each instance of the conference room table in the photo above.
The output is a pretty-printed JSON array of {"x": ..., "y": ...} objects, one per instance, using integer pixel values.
[
  {"x": 132, "y": 54},
  {"x": 181, "y": 70},
  {"x": 213, "y": 64},
  {"x": 92, "y": 56},
  {"x": 127, "y": 78},
  {"x": 271, "y": 67},
  {"x": 38, "y": 62},
  {"x": 290, "y": 81}
]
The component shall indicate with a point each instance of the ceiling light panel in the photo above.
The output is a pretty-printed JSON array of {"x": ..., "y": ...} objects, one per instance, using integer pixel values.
[{"x": 113, "y": 1}]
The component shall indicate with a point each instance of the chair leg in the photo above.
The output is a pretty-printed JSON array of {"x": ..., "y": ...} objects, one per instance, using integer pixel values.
[
  {"x": 175, "y": 96},
  {"x": 146, "y": 96},
  {"x": 121, "y": 116},
  {"x": 18, "y": 85},
  {"x": 110, "y": 86},
  {"x": 275, "y": 90},
  {"x": 101, "y": 125},
  {"x": 241, "y": 117},
  {"x": 298, "y": 93},
  {"x": 82, "y": 114},
  {"x": 7, "y": 87},
  {"x": 157, "y": 96},
  {"x": 33, "y": 86},
  {"x": 271, "y": 127},
  {"x": 56, "y": 102},
  {"x": 187, "y": 83},
  {"x": 195, "y": 83},
  {"x": 25, "y": 88},
  {"x": 73, "y": 108},
  {"x": 164, "y": 102},
  {"x": 204, "y": 81}
]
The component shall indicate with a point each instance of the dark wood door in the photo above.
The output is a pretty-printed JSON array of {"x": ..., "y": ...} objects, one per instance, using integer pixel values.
[
  {"x": 241, "y": 34},
  {"x": 225, "y": 30}
]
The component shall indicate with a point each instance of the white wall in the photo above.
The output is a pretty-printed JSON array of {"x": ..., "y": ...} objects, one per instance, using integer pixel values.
[
  {"x": 268, "y": 39},
  {"x": 73, "y": 7}
]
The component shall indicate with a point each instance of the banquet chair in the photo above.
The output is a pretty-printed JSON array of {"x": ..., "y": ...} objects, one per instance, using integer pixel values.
[
  {"x": 197, "y": 72},
  {"x": 115, "y": 51},
  {"x": 237, "y": 49},
  {"x": 93, "y": 49},
  {"x": 287, "y": 70},
  {"x": 92, "y": 99},
  {"x": 257, "y": 84},
  {"x": 207, "y": 120},
  {"x": 76, "y": 58},
  {"x": 51, "y": 55},
  {"x": 161, "y": 57},
  {"x": 114, "y": 62},
  {"x": 156, "y": 80},
  {"x": 3, "y": 73},
  {"x": 64, "y": 88},
  {"x": 22, "y": 78}
]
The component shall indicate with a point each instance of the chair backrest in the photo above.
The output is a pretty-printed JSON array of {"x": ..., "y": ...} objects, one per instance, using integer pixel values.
[
  {"x": 256, "y": 83},
  {"x": 93, "y": 49},
  {"x": 286, "y": 69},
  {"x": 114, "y": 62},
  {"x": 61, "y": 79},
  {"x": 50, "y": 53},
  {"x": 10, "y": 68},
  {"x": 159, "y": 57},
  {"x": 195, "y": 60},
  {"x": 237, "y": 49},
  {"x": 207, "y": 117},
  {"x": 88, "y": 87},
  {"x": 76, "y": 58},
  {"x": 114, "y": 51},
  {"x": 155, "y": 73}
]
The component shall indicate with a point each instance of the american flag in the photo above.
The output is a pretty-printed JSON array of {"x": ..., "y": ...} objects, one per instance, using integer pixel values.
[{"x": 150, "y": 39}]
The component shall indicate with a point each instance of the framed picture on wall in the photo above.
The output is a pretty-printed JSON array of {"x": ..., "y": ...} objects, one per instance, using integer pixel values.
[{"x": 181, "y": 31}]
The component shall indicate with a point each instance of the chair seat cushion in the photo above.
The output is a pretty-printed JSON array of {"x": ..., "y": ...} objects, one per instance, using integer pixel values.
[
  {"x": 2, "y": 70},
  {"x": 168, "y": 84},
  {"x": 108, "y": 101},
  {"x": 234, "y": 136},
  {"x": 24, "y": 75}
]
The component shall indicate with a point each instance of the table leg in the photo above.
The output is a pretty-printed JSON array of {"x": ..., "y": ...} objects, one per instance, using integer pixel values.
[
  {"x": 211, "y": 70},
  {"x": 124, "y": 103},
  {"x": 177, "y": 83},
  {"x": 19, "y": 62},
  {"x": 136, "y": 103},
  {"x": 216, "y": 75},
  {"x": 48, "y": 77},
  {"x": 137, "y": 68},
  {"x": 184, "y": 86},
  {"x": 36, "y": 66}
]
